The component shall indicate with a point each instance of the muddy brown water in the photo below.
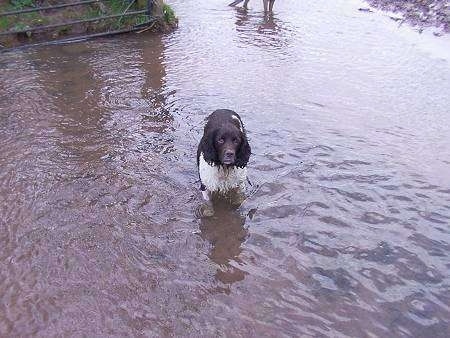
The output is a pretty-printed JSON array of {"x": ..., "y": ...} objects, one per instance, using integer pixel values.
[{"x": 345, "y": 232}]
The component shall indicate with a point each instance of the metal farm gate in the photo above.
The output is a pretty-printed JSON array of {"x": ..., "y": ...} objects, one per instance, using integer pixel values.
[{"x": 109, "y": 17}]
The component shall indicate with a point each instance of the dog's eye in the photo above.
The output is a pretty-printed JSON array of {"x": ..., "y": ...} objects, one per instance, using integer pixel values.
[
  {"x": 235, "y": 140},
  {"x": 221, "y": 141}
]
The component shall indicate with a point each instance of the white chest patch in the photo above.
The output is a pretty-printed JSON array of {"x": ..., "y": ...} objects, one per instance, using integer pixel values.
[{"x": 221, "y": 179}]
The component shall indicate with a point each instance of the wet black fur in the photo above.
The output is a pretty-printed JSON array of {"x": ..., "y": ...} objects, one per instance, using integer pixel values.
[{"x": 221, "y": 121}]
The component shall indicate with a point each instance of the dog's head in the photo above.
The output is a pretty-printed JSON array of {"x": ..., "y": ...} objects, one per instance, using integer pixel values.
[{"x": 226, "y": 145}]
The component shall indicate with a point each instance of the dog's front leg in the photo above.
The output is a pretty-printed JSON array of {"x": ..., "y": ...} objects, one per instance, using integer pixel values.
[
  {"x": 207, "y": 209},
  {"x": 205, "y": 193}
]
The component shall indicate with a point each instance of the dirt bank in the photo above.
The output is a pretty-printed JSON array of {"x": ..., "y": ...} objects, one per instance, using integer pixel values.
[{"x": 420, "y": 13}]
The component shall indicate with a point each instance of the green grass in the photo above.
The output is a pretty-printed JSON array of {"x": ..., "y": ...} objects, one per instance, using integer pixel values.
[
  {"x": 92, "y": 13},
  {"x": 140, "y": 19},
  {"x": 118, "y": 6},
  {"x": 33, "y": 18},
  {"x": 21, "y": 4},
  {"x": 20, "y": 26},
  {"x": 4, "y": 23},
  {"x": 23, "y": 22},
  {"x": 64, "y": 30},
  {"x": 169, "y": 14},
  {"x": 108, "y": 7}
]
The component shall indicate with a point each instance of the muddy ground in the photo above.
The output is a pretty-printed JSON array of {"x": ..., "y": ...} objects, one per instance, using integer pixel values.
[{"x": 420, "y": 13}]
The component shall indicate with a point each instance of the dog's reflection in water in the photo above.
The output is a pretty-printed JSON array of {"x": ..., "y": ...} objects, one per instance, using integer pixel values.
[{"x": 226, "y": 232}]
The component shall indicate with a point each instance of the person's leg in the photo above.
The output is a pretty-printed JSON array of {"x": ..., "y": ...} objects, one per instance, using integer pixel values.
[
  {"x": 265, "y": 3},
  {"x": 271, "y": 5},
  {"x": 245, "y": 4}
]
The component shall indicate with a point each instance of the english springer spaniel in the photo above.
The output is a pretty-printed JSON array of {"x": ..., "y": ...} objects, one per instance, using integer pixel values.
[{"x": 223, "y": 154}]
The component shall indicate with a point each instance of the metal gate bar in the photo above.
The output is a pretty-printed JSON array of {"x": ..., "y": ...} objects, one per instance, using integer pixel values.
[
  {"x": 37, "y": 9},
  {"x": 70, "y": 23},
  {"x": 149, "y": 22},
  {"x": 82, "y": 37}
]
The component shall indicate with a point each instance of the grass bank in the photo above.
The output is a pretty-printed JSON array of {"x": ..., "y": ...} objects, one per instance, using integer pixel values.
[{"x": 21, "y": 28}]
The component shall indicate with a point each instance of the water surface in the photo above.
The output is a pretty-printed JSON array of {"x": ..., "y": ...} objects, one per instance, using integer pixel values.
[{"x": 346, "y": 230}]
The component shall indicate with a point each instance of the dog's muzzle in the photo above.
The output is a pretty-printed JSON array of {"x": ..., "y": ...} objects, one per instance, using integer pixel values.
[{"x": 229, "y": 157}]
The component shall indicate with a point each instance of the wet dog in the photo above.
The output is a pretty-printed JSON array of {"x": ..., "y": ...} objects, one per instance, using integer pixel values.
[
  {"x": 268, "y": 4},
  {"x": 223, "y": 154}
]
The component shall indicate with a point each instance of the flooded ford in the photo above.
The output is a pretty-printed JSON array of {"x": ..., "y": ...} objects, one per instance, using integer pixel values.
[{"x": 344, "y": 231}]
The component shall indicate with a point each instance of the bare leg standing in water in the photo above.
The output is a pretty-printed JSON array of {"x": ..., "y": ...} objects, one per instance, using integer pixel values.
[
  {"x": 268, "y": 4},
  {"x": 271, "y": 2}
]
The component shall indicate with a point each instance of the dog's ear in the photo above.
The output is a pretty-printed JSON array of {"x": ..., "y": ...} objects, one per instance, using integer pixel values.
[
  {"x": 208, "y": 149},
  {"x": 243, "y": 154}
]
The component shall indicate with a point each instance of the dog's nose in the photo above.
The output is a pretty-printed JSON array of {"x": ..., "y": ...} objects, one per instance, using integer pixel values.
[{"x": 229, "y": 154}]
